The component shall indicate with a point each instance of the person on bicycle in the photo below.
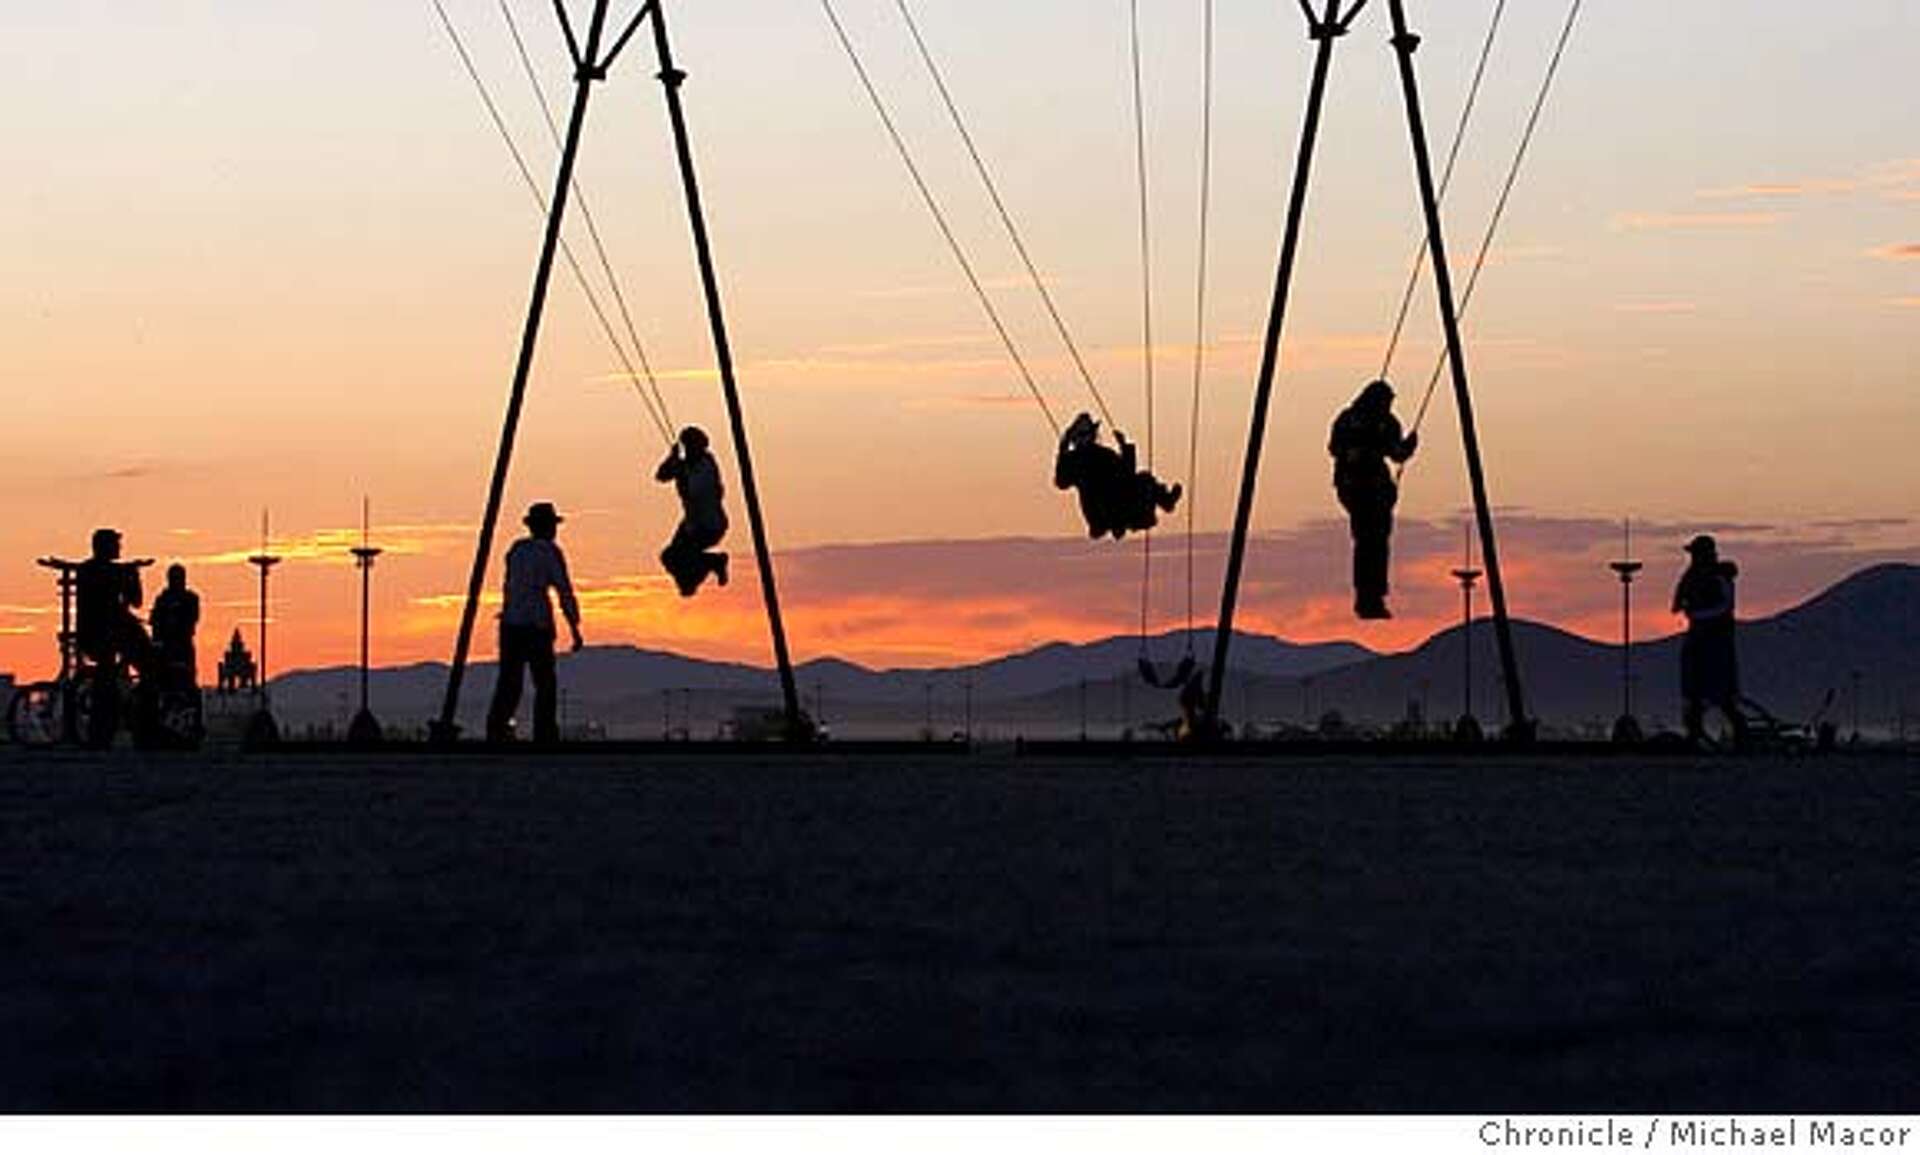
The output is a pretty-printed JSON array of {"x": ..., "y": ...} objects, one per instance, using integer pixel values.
[
  {"x": 175, "y": 617},
  {"x": 106, "y": 629}
]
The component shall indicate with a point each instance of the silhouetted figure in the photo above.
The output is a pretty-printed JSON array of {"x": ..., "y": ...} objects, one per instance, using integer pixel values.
[
  {"x": 106, "y": 629},
  {"x": 1709, "y": 667},
  {"x": 1116, "y": 496},
  {"x": 1195, "y": 726},
  {"x": 535, "y": 565},
  {"x": 703, "y": 519},
  {"x": 1365, "y": 437},
  {"x": 175, "y": 617}
]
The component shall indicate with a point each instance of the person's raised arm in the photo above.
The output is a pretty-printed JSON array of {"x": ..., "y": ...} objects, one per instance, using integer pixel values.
[{"x": 672, "y": 467}]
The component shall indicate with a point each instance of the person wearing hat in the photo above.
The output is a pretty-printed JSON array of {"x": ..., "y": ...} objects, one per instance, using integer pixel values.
[
  {"x": 1709, "y": 665},
  {"x": 690, "y": 556},
  {"x": 535, "y": 565},
  {"x": 1116, "y": 496},
  {"x": 1365, "y": 437}
]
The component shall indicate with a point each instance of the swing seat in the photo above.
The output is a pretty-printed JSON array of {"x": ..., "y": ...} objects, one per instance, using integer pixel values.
[{"x": 1181, "y": 674}]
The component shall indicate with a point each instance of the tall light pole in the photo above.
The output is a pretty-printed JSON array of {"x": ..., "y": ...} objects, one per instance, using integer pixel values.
[
  {"x": 1627, "y": 728},
  {"x": 261, "y": 728},
  {"x": 365, "y": 729},
  {"x": 1468, "y": 728}
]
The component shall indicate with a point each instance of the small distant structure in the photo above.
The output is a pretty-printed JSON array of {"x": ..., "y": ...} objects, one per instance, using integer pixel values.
[
  {"x": 365, "y": 729},
  {"x": 1468, "y": 728},
  {"x": 237, "y": 673},
  {"x": 262, "y": 730},
  {"x": 1626, "y": 730}
]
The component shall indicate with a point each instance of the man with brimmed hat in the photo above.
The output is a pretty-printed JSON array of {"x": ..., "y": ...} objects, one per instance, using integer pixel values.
[
  {"x": 535, "y": 565},
  {"x": 1709, "y": 665},
  {"x": 1365, "y": 437}
]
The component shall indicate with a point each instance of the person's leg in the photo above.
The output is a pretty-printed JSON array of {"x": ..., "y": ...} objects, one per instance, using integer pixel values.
[
  {"x": 1694, "y": 718},
  {"x": 506, "y": 690},
  {"x": 682, "y": 560},
  {"x": 103, "y": 699},
  {"x": 546, "y": 696}
]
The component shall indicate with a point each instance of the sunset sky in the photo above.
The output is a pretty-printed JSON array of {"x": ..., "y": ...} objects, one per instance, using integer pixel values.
[{"x": 273, "y": 255}]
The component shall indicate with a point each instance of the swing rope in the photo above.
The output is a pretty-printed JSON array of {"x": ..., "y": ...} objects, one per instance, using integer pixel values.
[
  {"x": 586, "y": 214},
  {"x": 1446, "y": 181},
  {"x": 1200, "y": 295},
  {"x": 533, "y": 186},
  {"x": 1146, "y": 294},
  {"x": 939, "y": 216},
  {"x": 1000, "y": 207},
  {"x": 1500, "y": 206}
]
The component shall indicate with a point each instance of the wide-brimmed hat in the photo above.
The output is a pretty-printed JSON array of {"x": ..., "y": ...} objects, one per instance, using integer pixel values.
[
  {"x": 1703, "y": 544},
  {"x": 542, "y": 513}
]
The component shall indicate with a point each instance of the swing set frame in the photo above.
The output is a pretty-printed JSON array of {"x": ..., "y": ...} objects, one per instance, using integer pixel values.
[
  {"x": 1324, "y": 28},
  {"x": 592, "y": 60}
]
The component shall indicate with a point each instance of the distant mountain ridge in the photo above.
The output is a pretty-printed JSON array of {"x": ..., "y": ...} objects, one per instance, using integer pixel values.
[{"x": 1869, "y": 622}]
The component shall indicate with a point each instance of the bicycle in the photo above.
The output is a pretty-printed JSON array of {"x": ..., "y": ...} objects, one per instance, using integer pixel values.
[{"x": 66, "y": 711}]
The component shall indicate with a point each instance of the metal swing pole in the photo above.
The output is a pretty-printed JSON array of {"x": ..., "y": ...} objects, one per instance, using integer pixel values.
[
  {"x": 1405, "y": 43},
  {"x": 1325, "y": 30},
  {"x": 587, "y": 69},
  {"x": 672, "y": 78}
]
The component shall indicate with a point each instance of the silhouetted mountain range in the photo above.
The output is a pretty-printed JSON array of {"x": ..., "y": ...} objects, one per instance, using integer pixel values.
[{"x": 1869, "y": 623}]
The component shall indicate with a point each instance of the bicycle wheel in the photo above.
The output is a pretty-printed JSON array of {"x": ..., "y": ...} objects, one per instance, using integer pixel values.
[
  {"x": 37, "y": 716},
  {"x": 178, "y": 722}
]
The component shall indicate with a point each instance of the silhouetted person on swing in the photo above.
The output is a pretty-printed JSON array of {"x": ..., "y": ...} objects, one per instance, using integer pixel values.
[
  {"x": 1116, "y": 495},
  {"x": 534, "y": 566},
  {"x": 1366, "y": 436},
  {"x": 106, "y": 629},
  {"x": 175, "y": 617},
  {"x": 695, "y": 475},
  {"x": 1709, "y": 666}
]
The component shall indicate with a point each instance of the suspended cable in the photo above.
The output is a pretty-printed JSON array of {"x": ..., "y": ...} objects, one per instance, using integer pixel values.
[
  {"x": 939, "y": 217},
  {"x": 1146, "y": 289},
  {"x": 1000, "y": 207},
  {"x": 1446, "y": 180},
  {"x": 533, "y": 186},
  {"x": 1506, "y": 193},
  {"x": 1200, "y": 294},
  {"x": 586, "y": 214}
]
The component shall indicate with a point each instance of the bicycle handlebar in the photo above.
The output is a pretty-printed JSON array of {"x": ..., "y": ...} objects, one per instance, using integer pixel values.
[{"x": 65, "y": 566}]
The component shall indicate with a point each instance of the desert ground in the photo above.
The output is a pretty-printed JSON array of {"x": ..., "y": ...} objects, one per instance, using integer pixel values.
[{"x": 803, "y": 932}]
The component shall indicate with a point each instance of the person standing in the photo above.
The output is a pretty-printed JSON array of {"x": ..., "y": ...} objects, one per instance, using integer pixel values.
[
  {"x": 535, "y": 566},
  {"x": 1365, "y": 437},
  {"x": 1709, "y": 664},
  {"x": 175, "y": 618}
]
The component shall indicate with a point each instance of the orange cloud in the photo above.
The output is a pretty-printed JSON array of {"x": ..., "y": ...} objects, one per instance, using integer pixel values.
[
  {"x": 1669, "y": 222},
  {"x": 1909, "y": 252},
  {"x": 1658, "y": 307}
]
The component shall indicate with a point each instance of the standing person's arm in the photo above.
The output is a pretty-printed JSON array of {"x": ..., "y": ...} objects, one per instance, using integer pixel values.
[{"x": 569, "y": 606}]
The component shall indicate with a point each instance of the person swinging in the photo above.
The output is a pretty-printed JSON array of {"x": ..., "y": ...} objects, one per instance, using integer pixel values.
[
  {"x": 1116, "y": 495},
  {"x": 690, "y": 557},
  {"x": 1365, "y": 437}
]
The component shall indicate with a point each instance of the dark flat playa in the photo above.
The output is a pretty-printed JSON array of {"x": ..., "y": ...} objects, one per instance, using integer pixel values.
[{"x": 813, "y": 933}]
